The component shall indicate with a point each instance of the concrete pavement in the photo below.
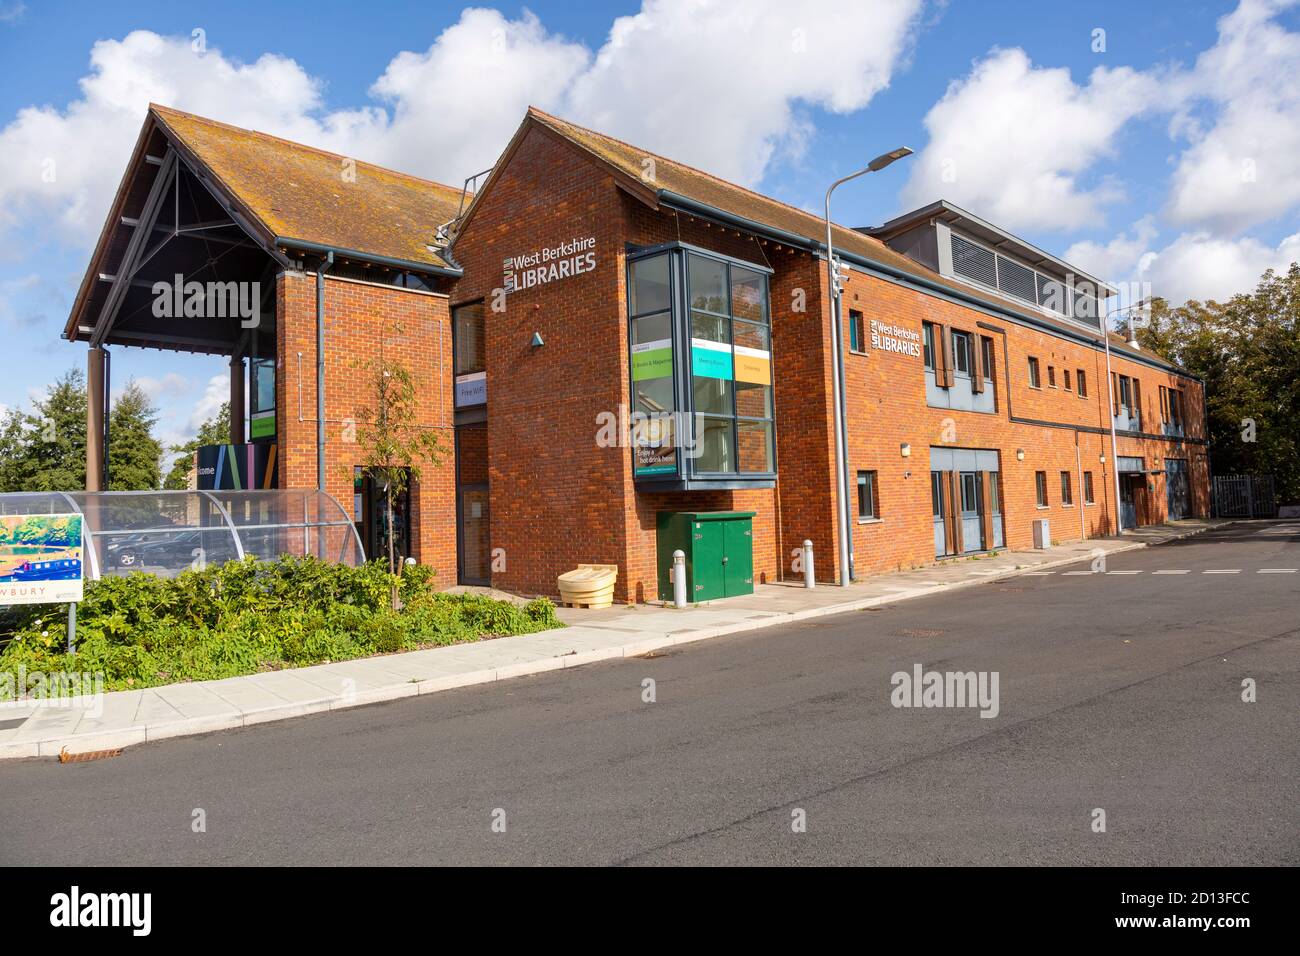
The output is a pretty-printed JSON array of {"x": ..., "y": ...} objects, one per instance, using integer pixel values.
[{"x": 125, "y": 718}]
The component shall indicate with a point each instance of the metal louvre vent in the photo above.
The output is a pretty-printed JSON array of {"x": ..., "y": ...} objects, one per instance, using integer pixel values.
[
  {"x": 1085, "y": 308},
  {"x": 1015, "y": 279},
  {"x": 973, "y": 262},
  {"x": 1053, "y": 295}
]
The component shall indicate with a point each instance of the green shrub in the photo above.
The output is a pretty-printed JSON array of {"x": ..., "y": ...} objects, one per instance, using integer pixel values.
[{"x": 247, "y": 616}]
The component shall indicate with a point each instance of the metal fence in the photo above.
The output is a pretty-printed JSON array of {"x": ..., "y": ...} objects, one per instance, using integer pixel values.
[{"x": 1244, "y": 496}]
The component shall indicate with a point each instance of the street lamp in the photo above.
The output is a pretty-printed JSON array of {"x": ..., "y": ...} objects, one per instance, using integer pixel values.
[{"x": 837, "y": 359}]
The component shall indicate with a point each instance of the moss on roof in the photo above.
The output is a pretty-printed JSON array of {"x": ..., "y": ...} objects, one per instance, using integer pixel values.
[
  {"x": 708, "y": 189},
  {"x": 299, "y": 192}
]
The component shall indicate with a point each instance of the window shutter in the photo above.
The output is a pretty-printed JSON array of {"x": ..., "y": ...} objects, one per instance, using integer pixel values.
[
  {"x": 945, "y": 357},
  {"x": 977, "y": 364},
  {"x": 1137, "y": 400},
  {"x": 954, "y": 513},
  {"x": 1164, "y": 404},
  {"x": 1114, "y": 392},
  {"x": 986, "y": 510}
]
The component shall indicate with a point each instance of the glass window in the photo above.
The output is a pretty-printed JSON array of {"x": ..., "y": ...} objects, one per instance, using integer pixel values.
[
  {"x": 1040, "y": 486},
  {"x": 725, "y": 366},
  {"x": 970, "y": 496},
  {"x": 986, "y": 344},
  {"x": 754, "y": 446},
  {"x": 1087, "y": 488},
  {"x": 748, "y": 294},
  {"x": 708, "y": 278},
  {"x": 649, "y": 288},
  {"x": 855, "y": 331},
  {"x": 1067, "y": 492},
  {"x": 995, "y": 495},
  {"x": 927, "y": 337},
  {"x": 1082, "y": 380},
  {"x": 711, "y": 328},
  {"x": 263, "y": 390},
  {"x": 1034, "y": 381},
  {"x": 1065, "y": 378},
  {"x": 467, "y": 341},
  {"x": 712, "y": 395},
  {"x": 936, "y": 493},
  {"x": 1051, "y": 376},
  {"x": 716, "y": 450},
  {"x": 868, "y": 506},
  {"x": 961, "y": 353}
]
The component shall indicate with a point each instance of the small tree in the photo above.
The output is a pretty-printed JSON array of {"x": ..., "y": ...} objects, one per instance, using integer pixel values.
[{"x": 393, "y": 445}]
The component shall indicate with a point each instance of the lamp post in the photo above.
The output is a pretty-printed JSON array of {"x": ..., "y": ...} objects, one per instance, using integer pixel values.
[{"x": 837, "y": 359}]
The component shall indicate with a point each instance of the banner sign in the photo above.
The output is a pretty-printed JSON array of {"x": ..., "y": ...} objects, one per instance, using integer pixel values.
[
  {"x": 710, "y": 359},
  {"x": 471, "y": 389},
  {"x": 236, "y": 467},
  {"x": 40, "y": 559}
]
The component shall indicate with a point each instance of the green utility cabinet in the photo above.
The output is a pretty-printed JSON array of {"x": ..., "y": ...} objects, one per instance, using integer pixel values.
[{"x": 719, "y": 549}]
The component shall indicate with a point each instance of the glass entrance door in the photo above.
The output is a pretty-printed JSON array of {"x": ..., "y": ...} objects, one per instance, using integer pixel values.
[
  {"x": 475, "y": 552},
  {"x": 972, "y": 510},
  {"x": 940, "y": 527}
]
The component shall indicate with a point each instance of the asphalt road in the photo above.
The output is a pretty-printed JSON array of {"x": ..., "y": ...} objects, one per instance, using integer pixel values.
[{"x": 1119, "y": 692}]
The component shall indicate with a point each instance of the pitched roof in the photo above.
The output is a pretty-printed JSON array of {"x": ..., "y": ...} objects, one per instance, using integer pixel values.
[
  {"x": 298, "y": 192},
  {"x": 709, "y": 190}
]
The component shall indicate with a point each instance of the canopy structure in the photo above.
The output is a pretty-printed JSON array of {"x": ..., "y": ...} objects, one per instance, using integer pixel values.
[{"x": 167, "y": 532}]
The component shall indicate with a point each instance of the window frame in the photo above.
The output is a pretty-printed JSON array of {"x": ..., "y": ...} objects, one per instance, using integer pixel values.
[
  {"x": 965, "y": 351},
  {"x": 1089, "y": 492},
  {"x": 1081, "y": 381},
  {"x": 681, "y": 312},
  {"x": 1051, "y": 376},
  {"x": 869, "y": 478},
  {"x": 1067, "y": 489},
  {"x": 1040, "y": 489},
  {"x": 1035, "y": 372},
  {"x": 857, "y": 332}
]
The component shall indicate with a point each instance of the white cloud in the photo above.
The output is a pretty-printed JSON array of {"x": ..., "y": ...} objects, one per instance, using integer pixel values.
[
  {"x": 1011, "y": 141},
  {"x": 1202, "y": 266},
  {"x": 455, "y": 105},
  {"x": 168, "y": 387},
  {"x": 1242, "y": 169},
  {"x": 719, "y": 85},
  {"x": 666, "y": 77},
  {"x": 1116, "y": 260},
  {"x": 1195, "y": 265},
  {"x": 215, "y": 395},
  {"x": 62, "y": 167}
]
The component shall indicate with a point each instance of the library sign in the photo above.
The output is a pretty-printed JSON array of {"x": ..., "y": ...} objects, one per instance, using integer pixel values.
[
  {"x": 570, "y": 258},
  {"x": 895, "y": 338}
]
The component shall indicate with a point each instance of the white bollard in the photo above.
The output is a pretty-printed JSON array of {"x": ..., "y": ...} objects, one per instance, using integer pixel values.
[
  {"x": 679, "y": 578},
  {"x": 809, "y": 577}
]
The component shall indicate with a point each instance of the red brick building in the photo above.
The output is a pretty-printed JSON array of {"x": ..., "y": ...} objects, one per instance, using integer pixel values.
[{"x": 601, "y": 335}]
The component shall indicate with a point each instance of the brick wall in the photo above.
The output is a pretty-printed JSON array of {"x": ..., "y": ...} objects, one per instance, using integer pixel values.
[{"x": 363, "y": 321}]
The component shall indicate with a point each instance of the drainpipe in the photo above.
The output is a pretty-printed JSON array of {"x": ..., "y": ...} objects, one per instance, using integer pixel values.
[
  {"x": 1114, "y": 445},
  {"x": 321, "y": 269}
]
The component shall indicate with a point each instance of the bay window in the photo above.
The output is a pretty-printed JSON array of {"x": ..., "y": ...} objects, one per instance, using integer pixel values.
[{"x": 701, "y": 368}]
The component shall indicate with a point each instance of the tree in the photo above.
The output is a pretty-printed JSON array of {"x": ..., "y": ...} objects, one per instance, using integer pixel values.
[
  {"x": 392, "y": 444},
  {"x": 215, "y": 431},
  {"x": 134, "y": 455},
  {"x": 1248, "y": 352},
  {"x": 52, "y": 454}
]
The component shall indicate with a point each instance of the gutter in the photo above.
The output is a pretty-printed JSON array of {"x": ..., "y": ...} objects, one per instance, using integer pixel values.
[
  {"x": 890, "y": 273},
  {"x": 332, "y": 251}
]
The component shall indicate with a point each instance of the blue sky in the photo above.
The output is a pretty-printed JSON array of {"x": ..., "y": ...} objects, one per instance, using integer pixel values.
[{"x": 1161, "y": 151}]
